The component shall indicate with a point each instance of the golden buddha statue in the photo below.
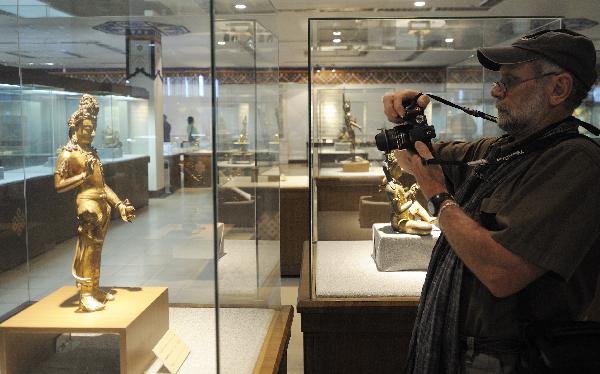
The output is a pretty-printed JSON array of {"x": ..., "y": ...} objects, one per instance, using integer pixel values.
[
  {"x": 408, "y": 216},
  {"x": 78, "y": 166}
]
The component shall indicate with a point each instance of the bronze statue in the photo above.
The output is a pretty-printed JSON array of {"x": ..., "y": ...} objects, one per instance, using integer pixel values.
[
  {"x": 347, "y": 133},
  {"x": 243, "y": 139},
  {"x": 406, "y": 210},
  {"x": 78, "y": 165}
]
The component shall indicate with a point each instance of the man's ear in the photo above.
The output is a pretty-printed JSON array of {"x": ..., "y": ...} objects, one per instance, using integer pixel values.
[{"x": 562, "y": 85}]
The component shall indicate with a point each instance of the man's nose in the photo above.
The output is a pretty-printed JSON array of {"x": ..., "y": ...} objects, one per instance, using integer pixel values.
[{"x": 497, "y": 91}]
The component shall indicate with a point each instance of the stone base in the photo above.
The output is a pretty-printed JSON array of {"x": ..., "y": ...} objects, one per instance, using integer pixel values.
[
  {"x": 393, "y": 251},
  {"x": 355, "y": 166}
]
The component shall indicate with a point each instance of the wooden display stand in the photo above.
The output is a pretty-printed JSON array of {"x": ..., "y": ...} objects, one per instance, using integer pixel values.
[
  {"x": 140, "y": 316},
  {"x": 273, "y": 355},
  {"x": 353, "y": 335}
]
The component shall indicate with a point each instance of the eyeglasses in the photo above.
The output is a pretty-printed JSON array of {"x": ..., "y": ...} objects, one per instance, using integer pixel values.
[{"x": 506, "y": 84}]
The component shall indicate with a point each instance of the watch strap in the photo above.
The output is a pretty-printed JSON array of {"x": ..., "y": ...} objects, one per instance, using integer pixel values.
[{"x": 436, "y": 201}]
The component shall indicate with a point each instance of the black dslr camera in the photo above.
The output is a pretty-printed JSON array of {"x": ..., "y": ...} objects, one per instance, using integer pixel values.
[{"x": 413, "y": 128}]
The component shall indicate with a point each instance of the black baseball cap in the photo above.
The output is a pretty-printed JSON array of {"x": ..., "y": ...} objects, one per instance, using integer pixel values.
[{"x": 569, "y": 50}]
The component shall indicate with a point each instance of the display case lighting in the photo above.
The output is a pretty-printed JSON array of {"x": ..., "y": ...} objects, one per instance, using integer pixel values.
[
  {"x": 449, "y": 40},
  {"x": 221, "y": 42},
  {"x": 337, "y": 33},
  {"x": 337, "y": 40},
  {"x": 419, "y": 3},
  {"x": 240, "y": 6}
]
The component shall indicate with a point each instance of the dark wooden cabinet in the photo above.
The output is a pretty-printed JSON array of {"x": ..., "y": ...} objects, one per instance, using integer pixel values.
[{"x": 354, "y": 335}]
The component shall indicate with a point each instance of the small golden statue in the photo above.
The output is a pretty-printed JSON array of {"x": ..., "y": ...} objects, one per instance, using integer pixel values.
[
  {"x": 347, "y": 133},
  {"x": 78, "y": 165},
  {"x": 406, "y": 210},
  {"x": 243, "y": 139}
]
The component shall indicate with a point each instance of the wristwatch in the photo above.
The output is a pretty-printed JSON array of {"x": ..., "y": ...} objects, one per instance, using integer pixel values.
[{"x": 434, "y": 204}]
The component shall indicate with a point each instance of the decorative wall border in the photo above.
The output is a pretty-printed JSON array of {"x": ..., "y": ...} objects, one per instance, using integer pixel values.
[{"x": 362, "y": 75}]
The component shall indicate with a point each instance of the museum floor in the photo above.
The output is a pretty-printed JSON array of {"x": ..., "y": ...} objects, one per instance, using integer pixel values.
[{"x": 134, "y": 255}]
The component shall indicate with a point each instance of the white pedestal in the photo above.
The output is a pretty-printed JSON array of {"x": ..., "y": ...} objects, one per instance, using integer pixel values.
[{"x": 393, "y": 251}]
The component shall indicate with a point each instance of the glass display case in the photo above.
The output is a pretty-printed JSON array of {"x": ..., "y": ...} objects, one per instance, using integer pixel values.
[
  {"x": 186, "y": 131},
  {"x": 353, "y": 64},
  {"x": 348, "y": 274}
]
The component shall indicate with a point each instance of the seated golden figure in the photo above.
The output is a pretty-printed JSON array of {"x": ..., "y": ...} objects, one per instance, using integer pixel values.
[
  {"x": 78, "y": 166},
  {"x": 408, "y": 216}
]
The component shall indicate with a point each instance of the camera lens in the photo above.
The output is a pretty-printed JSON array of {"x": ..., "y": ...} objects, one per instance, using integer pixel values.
[{"x": 382, "y": 142}]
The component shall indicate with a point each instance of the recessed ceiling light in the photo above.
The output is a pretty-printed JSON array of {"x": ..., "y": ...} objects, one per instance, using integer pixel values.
[
  {"x": 419, "y": 3},
  {"x": 337, "y": 40},
  {"x": 221, "y": 42},
  {"x": 337, "y": 33},
  {"x": 240, "y": 6},
  {"x": 449, "y": 40}
]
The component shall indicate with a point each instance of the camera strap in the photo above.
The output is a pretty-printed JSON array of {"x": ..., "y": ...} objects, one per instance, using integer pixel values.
[{"x": 495, "y": 158}]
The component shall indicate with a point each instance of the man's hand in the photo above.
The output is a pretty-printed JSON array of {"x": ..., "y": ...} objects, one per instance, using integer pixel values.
[
  {"x": 431, "y": 177},
  {"x": 393, "y": 103}
]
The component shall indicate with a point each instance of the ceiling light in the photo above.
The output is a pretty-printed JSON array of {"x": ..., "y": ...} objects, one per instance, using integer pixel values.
[
  {"x": 240, "y": 6},
  {"x": 337, "y": 40},
  {"x": 221, "y": 42},
  {"x": 419, "y": 3},
  {"x": 333, "y": 70},
  {"x": 337, "y": 33},
  {"x": 449, "y": 40}
]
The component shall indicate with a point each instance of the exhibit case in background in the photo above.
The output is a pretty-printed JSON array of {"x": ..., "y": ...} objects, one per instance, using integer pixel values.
[
  {"x": 201, "y": 258},
  {"x": 344, "y": 295}
]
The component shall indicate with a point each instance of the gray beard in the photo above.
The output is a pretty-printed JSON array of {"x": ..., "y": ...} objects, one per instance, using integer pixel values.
[{"x": 522, "y": 119}]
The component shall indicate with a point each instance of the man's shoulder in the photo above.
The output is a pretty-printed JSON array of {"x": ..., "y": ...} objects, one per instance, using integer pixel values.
[{"x": 580, "y": 146}]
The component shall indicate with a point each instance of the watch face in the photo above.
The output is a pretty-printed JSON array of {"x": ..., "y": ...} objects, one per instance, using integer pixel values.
[{"x": 431, "y": 207}]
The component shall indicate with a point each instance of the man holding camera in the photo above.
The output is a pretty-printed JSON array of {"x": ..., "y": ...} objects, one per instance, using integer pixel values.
[{"x": 521, "y": 234}]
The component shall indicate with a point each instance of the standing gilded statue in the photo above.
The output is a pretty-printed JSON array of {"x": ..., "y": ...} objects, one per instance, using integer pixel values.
[
  {"x": 347, "y": 133},
  {"x": 408, "y": 216},
  {"x": 78, "y": 166}
]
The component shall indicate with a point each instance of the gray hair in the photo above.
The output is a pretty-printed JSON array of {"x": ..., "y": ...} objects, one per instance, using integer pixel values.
[{"x": 578, "y": 92}]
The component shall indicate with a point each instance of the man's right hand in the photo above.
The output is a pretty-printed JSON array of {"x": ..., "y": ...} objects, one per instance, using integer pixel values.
[{"x": 393, "y": 103}]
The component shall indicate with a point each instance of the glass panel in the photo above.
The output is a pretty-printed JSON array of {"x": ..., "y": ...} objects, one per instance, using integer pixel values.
[
  {"x": 139, "y": 60},
  {"x": 14, "y": 284},
  {"x": 267, "y": 159},
  {"x": 248, "y": 184},
  {"x": 353, "y": 64}
]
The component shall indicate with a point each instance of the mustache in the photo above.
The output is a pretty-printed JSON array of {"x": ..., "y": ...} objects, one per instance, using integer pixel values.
[{"x": 501, "y": 108}]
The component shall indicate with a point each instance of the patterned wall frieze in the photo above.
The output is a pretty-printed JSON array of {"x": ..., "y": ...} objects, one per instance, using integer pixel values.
[{"x": 300, "y": 75}]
